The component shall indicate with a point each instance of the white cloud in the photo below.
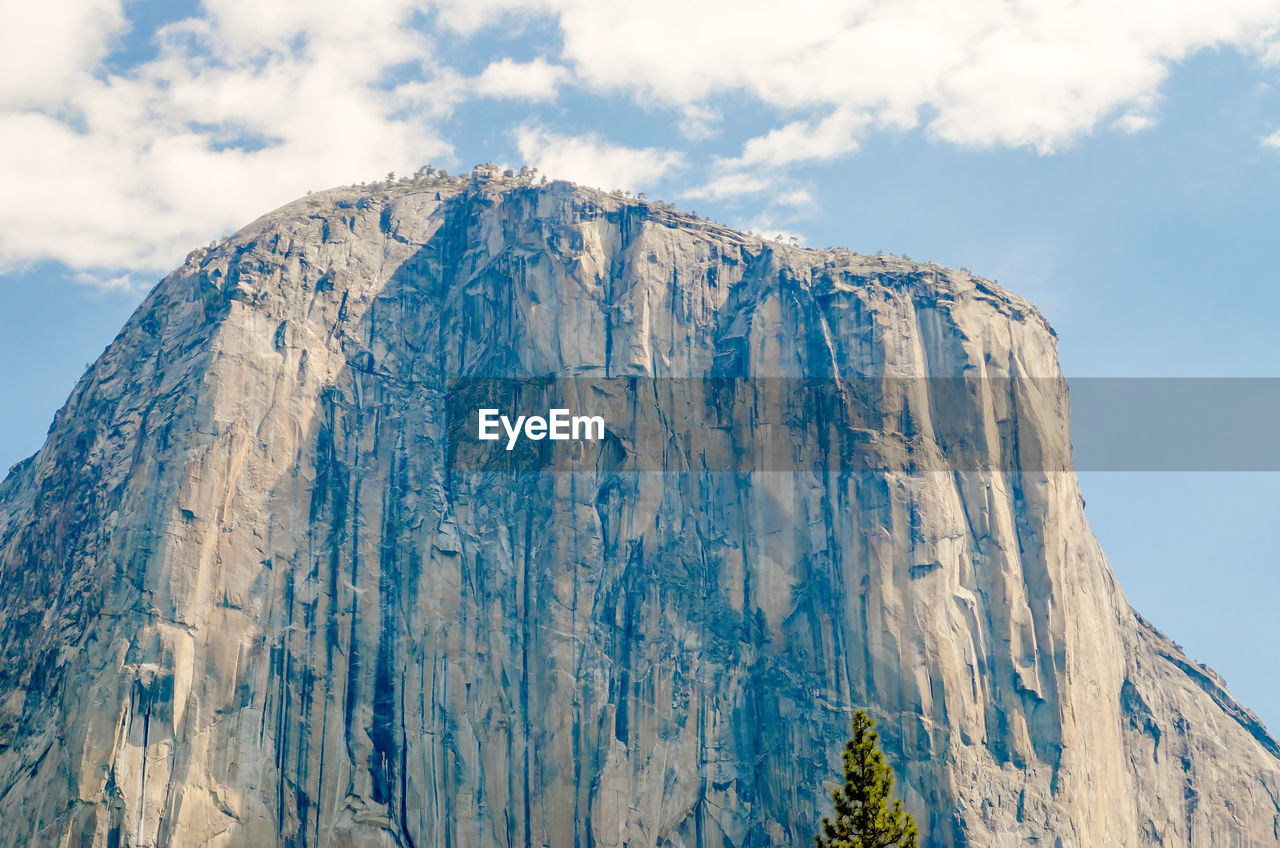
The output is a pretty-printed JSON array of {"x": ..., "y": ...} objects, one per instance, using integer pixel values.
[
  {"x": 536, "y": 80},
  {"x": 592, "y": 161},
  {"x": 760, "y": 167},
  {"x": 47, "y": 48},
  {"x": 796, "y": 197},
  {"x": 1142, "y": 114},
  {"x": 1038, "y": 73},
  {"x": 242, "y": 110},
  {"x": 1272, "y": 140},
  {"x": 734, "y": 184},
  {"x": 802, "y": 141},
  {"x": 109, "y": 282},
  {"x": 699, "y": 122},
  {"x": 1134, "y": 122},
  {"x": 252, "y": 102},
  {"x": 468, "y": 16},
  {"x": 378, "y": 31},
  {"x": 770, "y": 228}
]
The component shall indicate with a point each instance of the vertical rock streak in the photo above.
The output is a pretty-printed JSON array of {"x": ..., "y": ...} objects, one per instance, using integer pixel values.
[{"x": 247, "y": 602}]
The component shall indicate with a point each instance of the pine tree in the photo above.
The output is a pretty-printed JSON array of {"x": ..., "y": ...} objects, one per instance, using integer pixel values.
[{"x": 863, "y": 816}]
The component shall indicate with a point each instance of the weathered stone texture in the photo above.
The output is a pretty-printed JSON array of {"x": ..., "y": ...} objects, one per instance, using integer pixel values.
[{"x": 245, "y": 603}]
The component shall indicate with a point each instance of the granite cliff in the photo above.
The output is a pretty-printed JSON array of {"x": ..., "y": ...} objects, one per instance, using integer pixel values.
[{"x": 245, "y": 599}]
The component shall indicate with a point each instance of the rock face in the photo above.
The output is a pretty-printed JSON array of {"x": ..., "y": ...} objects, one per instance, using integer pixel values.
[{"x": 246, "y": 600}]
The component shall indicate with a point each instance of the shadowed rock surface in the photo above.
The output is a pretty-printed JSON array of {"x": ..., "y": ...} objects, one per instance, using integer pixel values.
[{"x": 244, "y": 601}]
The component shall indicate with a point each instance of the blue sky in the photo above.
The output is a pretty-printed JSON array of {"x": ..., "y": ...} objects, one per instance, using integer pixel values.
[{"x": 1116, "y": 161}]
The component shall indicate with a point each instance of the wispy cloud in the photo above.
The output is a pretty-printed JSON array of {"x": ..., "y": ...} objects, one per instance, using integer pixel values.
[
  {"x": 112, "y": 282},
  {"x": 803, "y": 141},
  {"x": 796, "y": 197},
  {"x": 730, "y": 185},
  {"x": 699, "y": 121},
  {"x": 593, "y": 161},
  {"x": 536, "y": 80},
  {"x": 771, "y": 228},
  {"x": 249, "y": 103},
  {"x": 1038, "y": 73}
]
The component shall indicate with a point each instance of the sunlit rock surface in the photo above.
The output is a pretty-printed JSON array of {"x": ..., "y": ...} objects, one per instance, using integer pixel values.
[{"x": 246, "y": 602}]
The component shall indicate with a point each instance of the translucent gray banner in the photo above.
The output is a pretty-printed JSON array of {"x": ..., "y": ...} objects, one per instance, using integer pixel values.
[{"x": 863, "y": 424}]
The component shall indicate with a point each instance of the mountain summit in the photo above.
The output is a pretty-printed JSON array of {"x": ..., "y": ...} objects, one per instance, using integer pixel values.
[{"x": 247, "y": 598}]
